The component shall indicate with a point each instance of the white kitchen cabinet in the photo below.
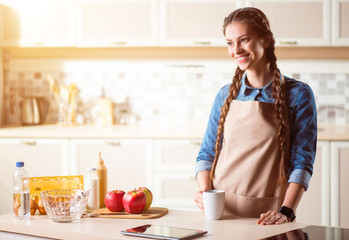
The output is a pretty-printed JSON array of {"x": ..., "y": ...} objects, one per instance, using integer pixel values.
[
  {"x": 1, "y": 83},
  {"x": 176, "y": 155},
  {"x": 314, "y": 207},
  {"x": 327, "y": 200},
  {"x": 38, "y": 23},
  {"x": 117, "y": 23},
  {"x": 128, "y": 161},
  {"x": 339, "y": 184},
  {"x": 175, "y": 183},
  {"x": 340, "y": 22},
  {"x": 175, "y": 190},
  {"x": 298, "y": 23},
  {"x": 42, "y": 157},
  {"x": 194, "y": 22}
]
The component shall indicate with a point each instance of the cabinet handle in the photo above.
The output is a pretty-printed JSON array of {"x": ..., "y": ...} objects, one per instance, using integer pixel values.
[
  {"x": 196, "y": 143},
  {"x": 37, "y": 43},
  {"x": 113, "y": 143},
  {"x": 118, "y": 43},
  {"x": 30, "y": 143},
  {"x": 202, "y": 42},
  {"x": 288, "y": 42}
]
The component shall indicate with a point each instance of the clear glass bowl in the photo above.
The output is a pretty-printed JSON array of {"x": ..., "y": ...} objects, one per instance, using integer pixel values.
[{"x": 64, "y": 205}]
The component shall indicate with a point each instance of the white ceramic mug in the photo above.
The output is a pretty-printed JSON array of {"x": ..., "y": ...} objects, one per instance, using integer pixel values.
[{"x": 214, "y": 201}]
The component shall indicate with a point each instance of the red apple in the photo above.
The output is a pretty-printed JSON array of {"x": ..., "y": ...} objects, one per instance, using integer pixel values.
[
  {"x": 134, "y": 201},
  {"x": 149, "y": 195},
  {"x": 113, "y": 200}
]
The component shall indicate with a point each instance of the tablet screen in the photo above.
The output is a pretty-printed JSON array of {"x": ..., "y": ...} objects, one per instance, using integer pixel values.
[{"x": 163, "y": 232}]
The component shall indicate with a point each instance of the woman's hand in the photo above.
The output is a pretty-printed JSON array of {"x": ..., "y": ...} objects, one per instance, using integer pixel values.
[
  {"x": 293, "y": 196},
  {"x": 199, "y": 199},
  {"x": 272, "y": 217},
  {"x": 204, "y": 183}
]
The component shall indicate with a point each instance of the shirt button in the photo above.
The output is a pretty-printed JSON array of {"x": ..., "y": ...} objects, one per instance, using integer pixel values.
[{"x": 257, "y": 91}]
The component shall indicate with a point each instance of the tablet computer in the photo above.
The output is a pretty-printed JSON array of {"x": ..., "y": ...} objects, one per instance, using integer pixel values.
[{"x": 163, "y": 232}]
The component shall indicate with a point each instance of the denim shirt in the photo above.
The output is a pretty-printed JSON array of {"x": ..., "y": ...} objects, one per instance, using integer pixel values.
[{"x": 302, "y": 123}]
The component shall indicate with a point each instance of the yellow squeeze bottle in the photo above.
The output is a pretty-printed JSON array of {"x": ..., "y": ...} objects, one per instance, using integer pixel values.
[{"x": 103, "y": 180}]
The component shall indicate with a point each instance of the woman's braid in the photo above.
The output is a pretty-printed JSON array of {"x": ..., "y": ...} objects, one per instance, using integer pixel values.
[{"x": 233, "y": 92}]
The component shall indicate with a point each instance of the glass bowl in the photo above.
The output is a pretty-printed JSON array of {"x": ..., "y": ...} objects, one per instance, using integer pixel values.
[{"x": 65, "y": 205}]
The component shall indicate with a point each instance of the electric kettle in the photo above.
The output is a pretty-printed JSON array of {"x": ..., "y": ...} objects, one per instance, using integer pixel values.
[{"x": 34, "y": 110}]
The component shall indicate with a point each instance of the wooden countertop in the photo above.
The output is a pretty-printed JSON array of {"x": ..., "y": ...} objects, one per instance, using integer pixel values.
[
  {"x": 106, "y": 228},
  {"x": 334, "y": 133},
  {"x": 140, "y": 131}
]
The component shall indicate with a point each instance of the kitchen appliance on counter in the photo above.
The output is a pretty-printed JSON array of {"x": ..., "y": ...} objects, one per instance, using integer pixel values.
[{"x": 34, "y": 110}]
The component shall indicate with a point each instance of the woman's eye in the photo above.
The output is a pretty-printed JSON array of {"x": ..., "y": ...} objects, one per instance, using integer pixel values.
[{"x": 244, "y": 40}]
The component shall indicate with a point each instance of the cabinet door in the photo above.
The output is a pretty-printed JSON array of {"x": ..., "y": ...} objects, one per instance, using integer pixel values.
[
  {"x": 194, "y": 22},
  {"x": 127, "y": 161},
  {"x": 314, "y": 207},
  {"x": 38, "y": 23},
  {"x": 41, "y": 157},
  {"x": 298, "y": 23},
  {"x": 340, "y": 22},
  {"x": 176, "y": 155},
  {"x": 175, "y": 182},
  {"x": 339, "y": 184},
  {"x": 115, "y": 23},
  {"x": 175, "y": 190}
]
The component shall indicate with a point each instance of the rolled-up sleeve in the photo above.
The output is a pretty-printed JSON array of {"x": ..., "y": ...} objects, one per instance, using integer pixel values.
[
  {"x": 303, "y": 135},
  {"x": 206, "y": 154}
]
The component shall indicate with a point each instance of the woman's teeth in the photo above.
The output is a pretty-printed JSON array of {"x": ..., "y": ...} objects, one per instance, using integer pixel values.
[{"x": 241, "y": 58}]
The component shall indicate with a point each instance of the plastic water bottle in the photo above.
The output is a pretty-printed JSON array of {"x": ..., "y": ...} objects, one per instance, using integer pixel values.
[{"x": 21, "y": 195}]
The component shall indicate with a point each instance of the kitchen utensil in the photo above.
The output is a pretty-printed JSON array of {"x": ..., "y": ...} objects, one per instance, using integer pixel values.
[
  {"x": 34, "y": 110},
  {"x": 73, "y": 90},
  {"x": 214, "y": 201},
  {"x": 152, "y": 212},
  {"x": 65, "y": 205},
  {"x": 54, "y": 87},
  {"x": 105, "y": 112}
]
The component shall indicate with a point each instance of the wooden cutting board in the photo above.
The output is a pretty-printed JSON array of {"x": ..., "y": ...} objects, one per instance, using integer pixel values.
[{"x": 153, "y": 212}]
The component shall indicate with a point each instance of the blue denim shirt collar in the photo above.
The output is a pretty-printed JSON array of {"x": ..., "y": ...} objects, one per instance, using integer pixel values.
[{"x": 265, "y": 91}]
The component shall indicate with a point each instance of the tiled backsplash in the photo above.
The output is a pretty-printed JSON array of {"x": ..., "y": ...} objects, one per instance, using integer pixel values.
[{"x": 160, "y": 91}]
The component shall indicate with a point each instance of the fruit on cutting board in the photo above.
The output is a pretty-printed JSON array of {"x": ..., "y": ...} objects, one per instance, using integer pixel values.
[
  {"x": 113, "y": 200},
  {"x": 149, "y": 196},
  {"x": 134, "y": 201}
]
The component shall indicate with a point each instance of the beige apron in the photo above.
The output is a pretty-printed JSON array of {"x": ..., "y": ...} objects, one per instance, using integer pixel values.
[{"x": 248, "y": 165}]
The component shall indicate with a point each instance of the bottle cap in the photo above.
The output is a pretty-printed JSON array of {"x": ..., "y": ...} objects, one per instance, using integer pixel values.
[{"x": 19, "y": 164}]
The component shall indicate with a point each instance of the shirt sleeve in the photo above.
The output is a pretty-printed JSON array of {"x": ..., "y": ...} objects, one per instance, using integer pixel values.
[
  {"x": 206, "y": 154},
  {"x": 303, "y": 137}
]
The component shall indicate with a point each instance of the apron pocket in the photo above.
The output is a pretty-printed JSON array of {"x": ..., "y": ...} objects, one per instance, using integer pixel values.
[{"x": 245, "y": 206}]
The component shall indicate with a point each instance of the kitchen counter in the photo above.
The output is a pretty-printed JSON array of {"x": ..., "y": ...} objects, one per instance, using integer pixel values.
[
  {"x": 106, "y": 228},
  {"x": 139, "y": 131}
]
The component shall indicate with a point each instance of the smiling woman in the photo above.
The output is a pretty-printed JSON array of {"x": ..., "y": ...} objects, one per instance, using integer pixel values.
[
  {"x": 245, "y": 47},
  {"x": 256, "y": 147}
]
